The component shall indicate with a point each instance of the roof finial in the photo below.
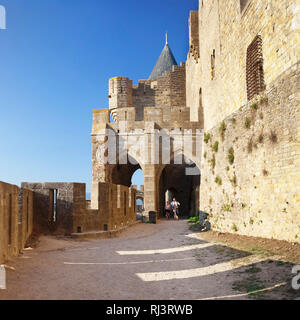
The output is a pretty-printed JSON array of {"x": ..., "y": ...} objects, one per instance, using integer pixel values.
[{"x": 167, "y": 37}]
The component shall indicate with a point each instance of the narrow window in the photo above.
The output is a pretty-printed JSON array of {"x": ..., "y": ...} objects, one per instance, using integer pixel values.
[
  {"x": 55, "y": 205},
  {"x": 53, "y": 193},
  {"x": 213, "y": 62},
  {"x": 254, "y": 68}
]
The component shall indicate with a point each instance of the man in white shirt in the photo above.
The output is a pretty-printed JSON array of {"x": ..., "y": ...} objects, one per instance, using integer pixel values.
[{"x": 175, "y": 206}]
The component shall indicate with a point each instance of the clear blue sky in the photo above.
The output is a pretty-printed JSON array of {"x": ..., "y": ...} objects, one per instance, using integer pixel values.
[{"x": 56, "y": 57}]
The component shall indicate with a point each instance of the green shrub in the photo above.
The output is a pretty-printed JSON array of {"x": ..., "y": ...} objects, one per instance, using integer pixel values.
[
  {"x": 234, "y": 228},
  {"x": 234, "y": 180},
  {"x": 254, "y": 106},
  {"x": 218, "y": 180},
  {"x": 226, "y": 207},
  {"x": 264, "y": 100},
  {"x": 213, "y": 162},
  {"x": 222, "y": 130},
  {"x": 206, "y": 137},
  {"x": 247, "y": 123},
  {"x": 231, "y": 156},
  {"x": 216, "y": 146},
  {"x": 193, "y": 219}
]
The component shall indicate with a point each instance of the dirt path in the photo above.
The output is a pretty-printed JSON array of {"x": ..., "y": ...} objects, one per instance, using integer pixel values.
[{"x": 163, "y": 261}]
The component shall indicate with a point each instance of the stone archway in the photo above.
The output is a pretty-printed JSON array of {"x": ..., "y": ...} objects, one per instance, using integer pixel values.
[
  {"x": 148, "y": 148},
  {"x": 183, "y": 182}
]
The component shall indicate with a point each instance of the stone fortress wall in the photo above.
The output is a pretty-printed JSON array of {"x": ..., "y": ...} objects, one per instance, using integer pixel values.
[
  {"x": 258, "y": 193},
  {"x": 223, "y": 30},
  {"x": 250, "y": 182}
]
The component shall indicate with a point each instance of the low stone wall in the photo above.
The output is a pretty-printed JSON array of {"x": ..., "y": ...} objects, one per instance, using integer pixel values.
[
  {"x": 70, "y": 202},
  {"x": 117, "y": 207},
  {"x": 16, "y": 219},
  {"x": 250, "y": 181}
]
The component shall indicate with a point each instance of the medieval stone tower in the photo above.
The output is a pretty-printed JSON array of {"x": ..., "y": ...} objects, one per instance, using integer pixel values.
[
  {"x": 231, "y": 111},
  {"x": 150, "y": 125}
]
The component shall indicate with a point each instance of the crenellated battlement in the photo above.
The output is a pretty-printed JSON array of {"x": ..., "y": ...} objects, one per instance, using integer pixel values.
[{"x": 166, "y": 91}]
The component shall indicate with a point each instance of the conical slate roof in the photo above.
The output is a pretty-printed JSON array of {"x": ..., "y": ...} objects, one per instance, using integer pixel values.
[{"x": 165, "y": 63}]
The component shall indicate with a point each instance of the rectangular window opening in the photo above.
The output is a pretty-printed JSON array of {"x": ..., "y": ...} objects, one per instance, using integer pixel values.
[
  {"x": 53, "y": 195},
  {"x": 55, "y": 205},
  {"x": 255, "y": 68}
]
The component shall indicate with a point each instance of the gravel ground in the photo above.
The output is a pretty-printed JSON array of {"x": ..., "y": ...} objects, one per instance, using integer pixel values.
[{"x": 180, "y": 265}]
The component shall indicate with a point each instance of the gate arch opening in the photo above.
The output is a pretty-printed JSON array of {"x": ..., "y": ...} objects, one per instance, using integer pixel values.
[{"x": 181, "y": 181}]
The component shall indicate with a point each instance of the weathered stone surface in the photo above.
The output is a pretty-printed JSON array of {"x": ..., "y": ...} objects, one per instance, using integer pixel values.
[
  {"x": 257, "y": 194},
  {"x": 16, "y": 219},
  {"x": 223, "y": 27}
]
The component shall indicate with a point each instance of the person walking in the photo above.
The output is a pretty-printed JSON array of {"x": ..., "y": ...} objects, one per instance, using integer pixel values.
[
  {"x": 168, "y": 210},
  {"x": 175, "y": 206}
]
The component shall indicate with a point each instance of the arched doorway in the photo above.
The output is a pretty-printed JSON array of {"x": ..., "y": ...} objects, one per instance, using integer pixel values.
[
  {"x": 130, "y": 175},
  {"x": 124, "y": 173},
  {"x": 138, "y": 181},
  {"x": 180, "y": 181}
]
